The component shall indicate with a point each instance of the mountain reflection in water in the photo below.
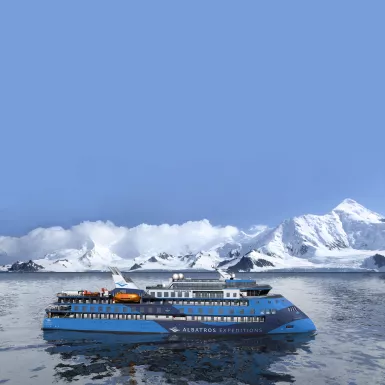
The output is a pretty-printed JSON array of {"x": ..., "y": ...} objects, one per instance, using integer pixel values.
[{"x": 179, "y": 359}]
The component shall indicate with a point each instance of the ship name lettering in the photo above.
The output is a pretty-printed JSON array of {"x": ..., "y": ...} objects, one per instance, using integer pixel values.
[{"x": 199, "y": 330}]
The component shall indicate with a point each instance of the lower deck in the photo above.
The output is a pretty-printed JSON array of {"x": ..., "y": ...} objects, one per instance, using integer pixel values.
[{"x": 270, "y": 325}]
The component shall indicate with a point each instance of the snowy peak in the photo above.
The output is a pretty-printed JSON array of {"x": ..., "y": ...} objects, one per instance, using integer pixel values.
[
  {"x": 100, "y": 256},
  {"x": 352, "y": 209},
  {"x": 96, "y": 258}
]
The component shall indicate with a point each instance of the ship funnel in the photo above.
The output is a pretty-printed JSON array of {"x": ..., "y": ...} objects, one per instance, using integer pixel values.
[{"x": 120, "y": 281}]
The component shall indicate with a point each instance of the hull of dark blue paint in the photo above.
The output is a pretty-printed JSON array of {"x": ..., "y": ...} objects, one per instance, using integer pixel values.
[{"x": 303, "y": 325}]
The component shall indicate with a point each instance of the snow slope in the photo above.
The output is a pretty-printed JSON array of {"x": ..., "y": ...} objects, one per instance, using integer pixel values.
[
  {"x": 348, "y": 237},
  {"x": 348, "y": 226}
]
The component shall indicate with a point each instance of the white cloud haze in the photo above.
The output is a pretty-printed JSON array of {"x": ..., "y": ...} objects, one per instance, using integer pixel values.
[{"x": 125, "y": 242}]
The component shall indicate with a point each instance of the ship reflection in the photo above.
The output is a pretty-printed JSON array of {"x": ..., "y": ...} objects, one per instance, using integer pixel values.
[{"x": 177, "y": 359}]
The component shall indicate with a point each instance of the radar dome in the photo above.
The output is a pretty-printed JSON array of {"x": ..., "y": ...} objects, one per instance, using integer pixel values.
[
  {"x": 181, "y": 276},
  {"x": 175, "y": 276}
]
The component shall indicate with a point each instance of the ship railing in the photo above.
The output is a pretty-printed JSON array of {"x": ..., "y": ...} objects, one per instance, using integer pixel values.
[{"x": 58, "y": 308}]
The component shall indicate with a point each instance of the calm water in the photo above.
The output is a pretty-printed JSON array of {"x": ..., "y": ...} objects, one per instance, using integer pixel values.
[{"x": 349, "y": 347}]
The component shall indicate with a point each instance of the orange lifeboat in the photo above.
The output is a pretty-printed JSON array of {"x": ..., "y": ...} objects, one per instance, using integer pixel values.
[
  {"x": 92, "y": 293},
  {"x": 126, "y": 297}
]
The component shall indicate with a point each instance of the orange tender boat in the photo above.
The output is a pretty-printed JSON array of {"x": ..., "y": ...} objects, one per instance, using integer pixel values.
[
  {"x": 126, "y": 297},
  {"x": 93, "y": 293}
]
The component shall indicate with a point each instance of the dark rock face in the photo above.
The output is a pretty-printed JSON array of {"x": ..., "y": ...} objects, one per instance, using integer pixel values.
[
  {"x": 29, "y": 267},
  {"x": 303, "y": 250},
  {"x": 135, "y": 267},
  {"x": 224, "y": 262},
  {"x": 61, "y": 260},
  {"x": 152, "y": 259},
  {"x": 379, "y": 260},
  {"x": 337, "y": 245},
  {"x": 247, "y": 264},
  {"x": 164, "y": 256}
]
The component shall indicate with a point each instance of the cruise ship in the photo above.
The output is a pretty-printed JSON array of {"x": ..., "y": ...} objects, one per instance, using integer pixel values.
[{"x": 181, "y": 305}]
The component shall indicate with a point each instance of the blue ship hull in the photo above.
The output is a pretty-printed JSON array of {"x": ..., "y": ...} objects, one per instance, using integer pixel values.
[{"x": 304, "y": 325}]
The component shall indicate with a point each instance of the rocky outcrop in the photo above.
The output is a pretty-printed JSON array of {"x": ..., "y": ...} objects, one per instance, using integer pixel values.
[
  {"x": 135, "y": 267},
  {"x": 248, "y": 264},
  {"x": 375, "y": 262},
  {"x": 25, "y": 267},
  {"x": 379, "y": 260}
]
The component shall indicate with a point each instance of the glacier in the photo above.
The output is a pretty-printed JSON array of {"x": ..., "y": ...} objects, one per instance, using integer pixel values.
[{"x": 349, "y": 237}]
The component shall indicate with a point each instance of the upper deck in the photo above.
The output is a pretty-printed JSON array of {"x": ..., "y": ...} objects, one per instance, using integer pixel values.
[{"x": 245, "y": 286}]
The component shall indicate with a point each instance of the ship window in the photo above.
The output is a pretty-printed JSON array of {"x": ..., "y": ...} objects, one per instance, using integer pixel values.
[
  {"x": 92, "y": 308},
  {"x": 268, "y": 301},
  {"x": 227, "y": 294},
  {"x": 116, "y": 310},
  {"x": 149, "y": 310},
  {"x": 200, "y": 310},
  {"x": 159, "y": 310},
  {"x": 234, "y": 295},
  {"x": 100, "y": 308},
  {"x": 108, "y": 308},
  {"x": 84, "y": 308},
  {"x": 180, "y": 294},
  {"x": 273, "y": 311},
  {"x": 166, "y": 294},
  {"x": 158, "y": 294},
  {"x": 231, "y": 311},
  {"x": 173, "y": 294},
  {"x": 220, "y": 311},
  {"x": 76, "y": 307},
  {"x": 252, "y": 311},
  {"x": 152, "y": 293},
  {"x": 125, "y": 309},
  {"x": 202, "y": 318},
  {"x": 190, "y": 310},
  {"x": 186, "y": 294},
  {"x": 211, "y": 311},
  {"x": 242, "y": 311},
  {"x": 289, "y": 326}
]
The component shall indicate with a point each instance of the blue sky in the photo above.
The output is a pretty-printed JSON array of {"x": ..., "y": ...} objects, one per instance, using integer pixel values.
[{"x": 238, "y": 112}]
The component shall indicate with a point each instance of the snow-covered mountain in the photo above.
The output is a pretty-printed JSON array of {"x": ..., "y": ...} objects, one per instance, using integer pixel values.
[
  {"x": 350, "y": 236},
  {"x": 96, "y": 257},
  {"x": 348, "y": 226}
]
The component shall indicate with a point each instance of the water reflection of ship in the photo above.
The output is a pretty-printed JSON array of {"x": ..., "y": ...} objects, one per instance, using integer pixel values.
[{"x": 180, "y": 359}]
